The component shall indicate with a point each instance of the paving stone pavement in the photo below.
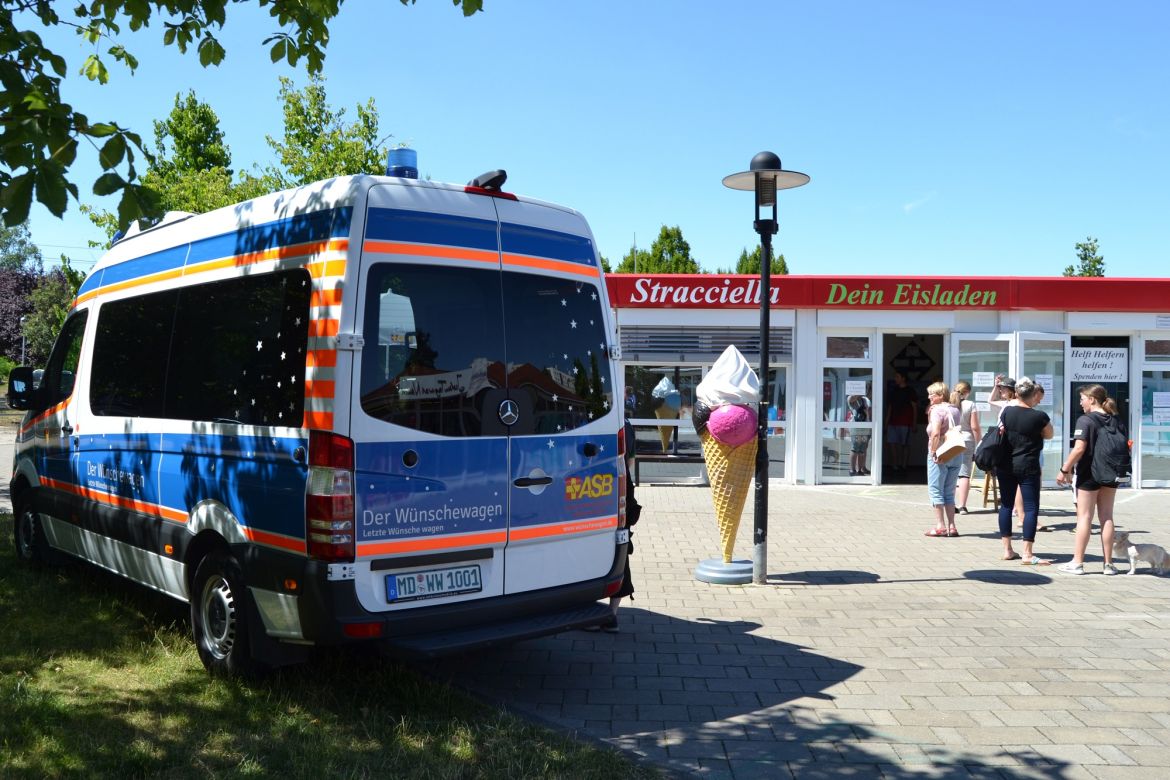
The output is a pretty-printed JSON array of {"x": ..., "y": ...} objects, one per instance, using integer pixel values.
[{"x": 872, "y": 651}]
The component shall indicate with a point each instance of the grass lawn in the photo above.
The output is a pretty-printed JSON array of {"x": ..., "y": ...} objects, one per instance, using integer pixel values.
[{"x": 99, "y": 678}]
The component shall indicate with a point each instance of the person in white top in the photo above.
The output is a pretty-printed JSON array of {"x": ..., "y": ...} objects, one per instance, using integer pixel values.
[{"x": 969, "y": 422}]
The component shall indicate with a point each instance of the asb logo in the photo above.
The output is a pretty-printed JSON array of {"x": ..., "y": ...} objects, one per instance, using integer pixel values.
[{"x": 596, "y": 486}]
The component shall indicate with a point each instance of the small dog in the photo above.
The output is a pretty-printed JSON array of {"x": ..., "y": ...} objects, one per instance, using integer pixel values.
[{"x": 1152, "y": 554}]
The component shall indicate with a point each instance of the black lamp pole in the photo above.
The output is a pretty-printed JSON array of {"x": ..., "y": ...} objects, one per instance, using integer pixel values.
[{"x": 764, "y": 177}]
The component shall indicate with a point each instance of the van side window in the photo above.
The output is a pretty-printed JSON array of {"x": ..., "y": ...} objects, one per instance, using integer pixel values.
[
  {"x": 61, "y": 370},
  {"x": 434, "y": 346},
  {"x": 558, "y": 350},
  {"x": 130, "y": 353},
  {"x": 238, "y": 352}
]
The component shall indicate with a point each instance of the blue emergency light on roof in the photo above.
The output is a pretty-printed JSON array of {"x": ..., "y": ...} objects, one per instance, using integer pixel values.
[{"x": 402, "y": 162}]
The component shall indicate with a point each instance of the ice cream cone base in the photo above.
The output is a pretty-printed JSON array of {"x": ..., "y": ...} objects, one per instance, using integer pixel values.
[
  {"x": 665, "y": 432},
  {"x": 717, "y": 571},
  {"x": 730, "y": 470}
]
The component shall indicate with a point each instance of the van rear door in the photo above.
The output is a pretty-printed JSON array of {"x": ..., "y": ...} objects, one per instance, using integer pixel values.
[
  {"x": 563, "y": 445},
  {"x": 431, "y": 453}
]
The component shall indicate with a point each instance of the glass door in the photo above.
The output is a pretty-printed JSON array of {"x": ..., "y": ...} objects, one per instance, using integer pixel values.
[
  {"x": 979, "y": 358},
  {"x": 1043, "y": 357}
]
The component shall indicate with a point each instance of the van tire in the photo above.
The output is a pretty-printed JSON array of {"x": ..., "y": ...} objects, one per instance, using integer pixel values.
[
  {"x": 28, "y": 534},
  {"x": 219, "y": 617}
]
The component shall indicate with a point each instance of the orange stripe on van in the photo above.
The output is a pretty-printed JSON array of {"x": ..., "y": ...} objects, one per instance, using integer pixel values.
[
  {"x": 111, "y": 499},
  {"x": 46, "y": 414},
  {"x": 323, "y": 327},
  {"x": 319, "y": 421},
  {"x": 325, "y": 297},
  {"x": 321, "y": 358},
  {"x": 428, "y": 250},
  {"x": 161, "y": 276},
  {"x": 275, "y": 540},
  {"x": 319, "y": 388},
  {"x": 560, "y": 266},
  {"x": 563, "y": 529},
  {"x": 325, "y": 268},
  {"x": 431, "y": 543}
]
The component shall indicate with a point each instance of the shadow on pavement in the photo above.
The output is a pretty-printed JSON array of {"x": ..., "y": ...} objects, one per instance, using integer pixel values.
[{"x": 707, "y": 698}]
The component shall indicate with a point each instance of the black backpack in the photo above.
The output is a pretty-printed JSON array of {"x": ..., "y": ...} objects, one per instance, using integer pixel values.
[
  {"x": 1111, "y": 457},
  {"x": 861, "y": 412},
  {"x": 990, "y": 450}
]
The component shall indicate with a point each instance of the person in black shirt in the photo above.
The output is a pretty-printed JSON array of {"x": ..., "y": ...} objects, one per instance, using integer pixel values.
[
  {"x": 1091, "y": 495},
  {"x": 1025, "y": 429}
]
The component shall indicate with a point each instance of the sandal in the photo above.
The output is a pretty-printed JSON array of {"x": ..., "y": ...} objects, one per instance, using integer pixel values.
[
  {"x": 936, "y": 532},
  {"x": 953, "y": 531},
  {"x": 1013, "y": 557},
  {"x": 1034, "y": 561}
]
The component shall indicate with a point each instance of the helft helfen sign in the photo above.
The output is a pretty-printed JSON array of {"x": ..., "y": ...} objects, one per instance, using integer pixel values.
[{"x": 1098, "y": 364}]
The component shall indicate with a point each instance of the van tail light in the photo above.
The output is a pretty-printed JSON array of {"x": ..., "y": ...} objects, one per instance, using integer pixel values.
[
  {"x": 622, "y": 443},
  {"x": 329, "y": 514},
  {"x": 621, "y": 480}
]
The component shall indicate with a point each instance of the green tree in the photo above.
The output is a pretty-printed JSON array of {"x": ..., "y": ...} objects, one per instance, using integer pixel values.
[
  {"x": 42, "y": 134},
  {"x": 749, "y": 263},
  {"x": 1089, "y": 263},
  {"x": 190, "y": 167},
  {"x": 318, "y": 143},
  {"x": 669, "y": 254},
  {"x": 17, "y": 251},
  {"x": 50, "y": 299}
]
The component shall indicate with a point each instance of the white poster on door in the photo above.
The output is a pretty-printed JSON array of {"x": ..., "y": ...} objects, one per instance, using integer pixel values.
[
  {"x": 1098, "y": 364},
  {"x": 1161, "y": 399},
  {"x": 983, "y": 379}
]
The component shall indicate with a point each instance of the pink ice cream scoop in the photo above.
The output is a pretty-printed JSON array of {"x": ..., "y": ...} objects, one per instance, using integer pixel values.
[{"x": 732, "y": 424}]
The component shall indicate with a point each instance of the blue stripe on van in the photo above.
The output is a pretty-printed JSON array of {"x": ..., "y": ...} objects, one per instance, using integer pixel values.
[
  {"x": 528, "y": 240},
  {"x": 424, "y": 227},
  {"x": 298, "y": 229}
]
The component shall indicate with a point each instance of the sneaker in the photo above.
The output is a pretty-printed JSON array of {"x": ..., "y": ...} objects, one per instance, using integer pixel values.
[
  {"x": 1109, "y": 568},
  {"x": 1071, "y": 568}
]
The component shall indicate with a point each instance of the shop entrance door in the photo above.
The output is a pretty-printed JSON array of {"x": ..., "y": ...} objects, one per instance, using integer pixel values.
[
  {"x": 919, "y": 359},
  {"x": 980, "y": 357}
]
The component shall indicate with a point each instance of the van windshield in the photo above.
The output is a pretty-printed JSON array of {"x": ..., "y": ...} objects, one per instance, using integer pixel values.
[{"x": 436, "y": 358}]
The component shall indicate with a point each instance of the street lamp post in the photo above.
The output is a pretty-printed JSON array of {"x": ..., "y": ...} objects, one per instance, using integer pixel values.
[
  {"x": 23, "y": 319},
  {"x": 765, "y": 177}
]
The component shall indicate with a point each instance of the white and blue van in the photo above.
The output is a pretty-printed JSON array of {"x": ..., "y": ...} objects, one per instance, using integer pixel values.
[{"x": 372, "y": 408}]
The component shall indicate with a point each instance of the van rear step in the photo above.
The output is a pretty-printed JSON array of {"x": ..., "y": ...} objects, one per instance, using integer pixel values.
[{"x": 461, "y": 640}]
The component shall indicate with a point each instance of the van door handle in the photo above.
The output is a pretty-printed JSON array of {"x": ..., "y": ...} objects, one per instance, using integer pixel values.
[
  {"x": 67, "y": 429},
  {"x": 531, "y": 481}
]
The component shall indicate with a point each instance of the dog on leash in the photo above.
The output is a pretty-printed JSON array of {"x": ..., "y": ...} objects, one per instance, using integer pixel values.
[{"x": 1152, "y": 554}]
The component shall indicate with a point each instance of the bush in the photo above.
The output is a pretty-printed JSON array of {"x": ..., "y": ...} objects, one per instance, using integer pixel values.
[{"x": 6, "y": 367}]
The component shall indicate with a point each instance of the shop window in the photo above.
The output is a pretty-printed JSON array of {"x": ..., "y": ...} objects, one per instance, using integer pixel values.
[
  {"x": 847, "y": 348},
  {"x": 1158, "y": 350}
]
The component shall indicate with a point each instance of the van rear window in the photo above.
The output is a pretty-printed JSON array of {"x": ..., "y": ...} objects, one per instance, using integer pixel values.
[{"x": 445, "y": 345}]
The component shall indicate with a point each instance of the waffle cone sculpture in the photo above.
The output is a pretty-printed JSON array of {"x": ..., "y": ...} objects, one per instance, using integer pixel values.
[
  {"x": 665, "y": 431},
  {"x": 731, "y": 470}
]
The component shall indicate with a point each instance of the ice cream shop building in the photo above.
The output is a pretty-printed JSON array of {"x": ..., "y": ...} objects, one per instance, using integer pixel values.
[{"x": 843, "y": 350}]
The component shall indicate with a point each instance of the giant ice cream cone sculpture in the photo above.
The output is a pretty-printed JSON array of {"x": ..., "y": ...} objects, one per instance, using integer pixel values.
[
  {"x": 725, "y": 418},
  {"x": 730, "y": 470},
  {"x": 665, "y": 431}
]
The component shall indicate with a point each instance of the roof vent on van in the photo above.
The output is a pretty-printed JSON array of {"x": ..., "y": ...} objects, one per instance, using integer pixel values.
[{"x": 489, "y": 184}]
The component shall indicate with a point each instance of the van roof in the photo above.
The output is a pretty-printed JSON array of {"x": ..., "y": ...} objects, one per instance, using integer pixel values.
[{"x": 178, "y": 228}]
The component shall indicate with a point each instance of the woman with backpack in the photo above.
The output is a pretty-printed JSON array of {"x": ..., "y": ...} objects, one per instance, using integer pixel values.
[
  {"x": 1024, "y": 429},
  {"x": 969, "y": 420},
  {"x": 1100, "y": 411}
]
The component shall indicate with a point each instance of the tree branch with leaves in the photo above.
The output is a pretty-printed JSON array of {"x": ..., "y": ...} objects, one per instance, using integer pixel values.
[{"x": 40, "y": 134}]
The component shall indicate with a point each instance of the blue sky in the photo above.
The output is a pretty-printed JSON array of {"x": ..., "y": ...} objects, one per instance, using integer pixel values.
[{"x": 941, "y": 137}]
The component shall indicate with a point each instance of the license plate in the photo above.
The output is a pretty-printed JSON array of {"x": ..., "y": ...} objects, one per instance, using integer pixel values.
[
  {"x": 623, "y": 535},
  {"x": 433, "y": 583}
]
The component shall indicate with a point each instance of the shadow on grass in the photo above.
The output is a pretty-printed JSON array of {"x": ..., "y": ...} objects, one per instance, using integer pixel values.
[{"x": 99, "y": 678}]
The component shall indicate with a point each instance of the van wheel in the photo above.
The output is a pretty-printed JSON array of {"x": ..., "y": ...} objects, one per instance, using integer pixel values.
[
  {"x": 219, "y": 617},
  {"x": 29, "y": 535}
]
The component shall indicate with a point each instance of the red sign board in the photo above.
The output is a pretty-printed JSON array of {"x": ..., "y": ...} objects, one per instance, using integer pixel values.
[{"x": 735, "y": 291}]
